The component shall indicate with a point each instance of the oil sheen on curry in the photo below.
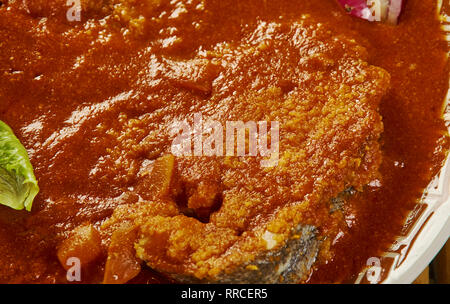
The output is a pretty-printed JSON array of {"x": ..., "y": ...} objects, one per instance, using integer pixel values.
[{"x": 94, "y": 101}]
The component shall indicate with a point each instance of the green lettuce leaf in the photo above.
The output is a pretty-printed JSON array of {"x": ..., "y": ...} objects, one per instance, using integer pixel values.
[{"x": 18, "y": 185}]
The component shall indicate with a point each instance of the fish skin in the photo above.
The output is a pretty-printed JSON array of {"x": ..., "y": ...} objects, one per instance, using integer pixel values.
[
  {"x": 288, "y": 265},
  {"x": 295, "y": 258}
]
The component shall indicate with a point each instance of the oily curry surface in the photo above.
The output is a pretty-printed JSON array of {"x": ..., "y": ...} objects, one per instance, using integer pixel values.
[{"x": 83, "y": 95}]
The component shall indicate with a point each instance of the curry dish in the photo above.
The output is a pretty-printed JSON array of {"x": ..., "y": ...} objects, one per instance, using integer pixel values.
[{"x": 361, "y": 134}]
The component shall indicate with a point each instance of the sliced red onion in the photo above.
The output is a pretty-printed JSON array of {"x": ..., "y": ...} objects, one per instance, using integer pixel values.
[
  {"x": 358, "y": 8},
  {"x": 386, "y": 11}
]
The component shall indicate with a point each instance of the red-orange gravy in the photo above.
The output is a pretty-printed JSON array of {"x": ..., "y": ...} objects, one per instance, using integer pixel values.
[{"x": 40, "y": 47}]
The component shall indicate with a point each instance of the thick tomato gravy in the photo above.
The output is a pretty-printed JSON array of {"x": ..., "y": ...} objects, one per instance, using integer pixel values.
[{"x": 50, "y": 66}]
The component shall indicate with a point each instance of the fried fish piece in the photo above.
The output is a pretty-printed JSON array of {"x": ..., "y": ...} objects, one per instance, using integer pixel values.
[{"x": 268, "y": 226}]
